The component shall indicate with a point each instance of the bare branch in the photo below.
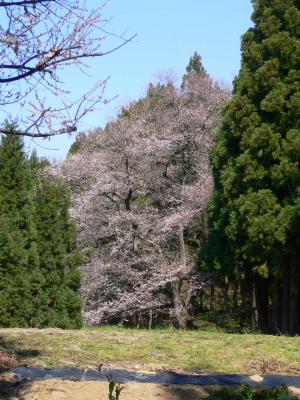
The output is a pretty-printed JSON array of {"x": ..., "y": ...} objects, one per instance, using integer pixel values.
[
  {"x": 23, "y": 3},
  {"x": 68, "y": 129},
  {"x": 39, "y": 39}
]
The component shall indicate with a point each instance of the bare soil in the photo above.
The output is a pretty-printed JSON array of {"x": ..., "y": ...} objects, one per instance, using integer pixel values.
[{"x": 54, "y": 389}]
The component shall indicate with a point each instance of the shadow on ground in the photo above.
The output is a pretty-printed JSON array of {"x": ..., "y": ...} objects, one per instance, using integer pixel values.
[
  {"x": 11, "y": 355},
  {"x": 8, "y": 389},
  {"x": 189, "y": 392}
]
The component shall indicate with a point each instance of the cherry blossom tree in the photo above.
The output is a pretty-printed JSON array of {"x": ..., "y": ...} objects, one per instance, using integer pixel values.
[
  {"x": 139, "y": 189},
  {"x": 39, "y": 41}
]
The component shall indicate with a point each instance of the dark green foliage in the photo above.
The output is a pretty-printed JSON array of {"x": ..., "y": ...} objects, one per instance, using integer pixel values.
[
  {"x": 59, "y": 259},
  {"x": 39, "y": 276},
  {"x": 254, "y": 212},
  {"x": 194, "y": 66},
  {"x": 230, "y": 322},
  {"x": 20, "y": 278},
  {"x": 247, "y": 392}
]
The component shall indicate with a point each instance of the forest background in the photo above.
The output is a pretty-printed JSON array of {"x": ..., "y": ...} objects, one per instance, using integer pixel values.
[{"x": 184, "y": 208}]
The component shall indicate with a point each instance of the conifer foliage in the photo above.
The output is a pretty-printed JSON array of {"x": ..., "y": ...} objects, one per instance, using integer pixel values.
[
  {"x": 39, "y": 277},
  {"x": 254, "y": 213},
  {"x": 20, "y": 277},
  {"x": 58, "y": 257}
]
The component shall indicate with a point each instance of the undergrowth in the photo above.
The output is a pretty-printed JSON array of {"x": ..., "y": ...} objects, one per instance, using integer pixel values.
[{"x": 246, "y": 392}]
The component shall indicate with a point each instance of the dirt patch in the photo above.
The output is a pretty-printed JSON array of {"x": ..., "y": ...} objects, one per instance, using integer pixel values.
[
  {"x": 57, "y": 389},
  {"x": 271, "y": 366},
  {"x": 53, "y": 389},
  {"x": 65, "y": 390}
]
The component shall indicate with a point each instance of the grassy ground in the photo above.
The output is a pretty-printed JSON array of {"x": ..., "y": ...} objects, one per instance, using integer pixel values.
[{"x": 193, "y": 351}]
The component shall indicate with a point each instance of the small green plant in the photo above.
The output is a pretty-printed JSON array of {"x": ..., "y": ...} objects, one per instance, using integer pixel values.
[
  {"x": 114, "y": 388},
  {"x": 246, "y": 392}
]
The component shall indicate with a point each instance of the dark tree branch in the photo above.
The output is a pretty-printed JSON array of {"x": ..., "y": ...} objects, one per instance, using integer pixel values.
[
  {"x": 68, "y": 129},
  {"x": 39, "y": 39},
  {"x": 24, "y": 3}
]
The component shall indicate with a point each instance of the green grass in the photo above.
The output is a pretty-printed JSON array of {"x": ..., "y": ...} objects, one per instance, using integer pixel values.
[
  {"x": 194, "y": 351},
  {"x": 246, "y": 392}
]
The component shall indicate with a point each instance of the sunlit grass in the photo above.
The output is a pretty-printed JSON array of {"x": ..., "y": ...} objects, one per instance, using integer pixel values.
[{"x": 195, "y": 351}]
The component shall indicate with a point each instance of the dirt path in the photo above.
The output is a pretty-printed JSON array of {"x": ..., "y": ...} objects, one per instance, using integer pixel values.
[{"x": 53, "y": 389}]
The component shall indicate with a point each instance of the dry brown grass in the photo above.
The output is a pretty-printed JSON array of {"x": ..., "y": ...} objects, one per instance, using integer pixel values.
[{"x": 7, "y": 360}]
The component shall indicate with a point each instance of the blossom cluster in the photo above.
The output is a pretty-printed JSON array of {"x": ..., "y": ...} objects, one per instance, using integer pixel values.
[{"x": 139, "y": 188}]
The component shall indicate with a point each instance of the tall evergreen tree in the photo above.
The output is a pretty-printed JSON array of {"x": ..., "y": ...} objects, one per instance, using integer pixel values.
[
  {"x": 254, "y": 212},
  {"x": 20, "y": 278},
  {"x": 58, "y": 256},
  {"x": 39, "y": 278},
  {"x": 194, "y": 67}
]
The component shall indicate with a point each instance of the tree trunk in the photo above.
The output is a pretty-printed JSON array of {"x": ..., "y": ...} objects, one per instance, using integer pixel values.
[
  {"x": 139, "y": 321},
  {"x": 285, "y": 298},
  {"x": 201, "y": 300},
  {"x": 294, "y": 310},
  {"x": 181, "y": 288},
  {"x": 180, "y": 317},
  {"x": 261, "y": 297},
  {"x": 150, "y": 319},
  {"x": 225, "y": 294},
  {"x": 182, "y": 255},
  {"x": 247, "y": 292},
  {"x": 212, "y": 298},
  {"x": 181, "y": 304},
  {"x": 276, "y": 325},
  {"x": 254, "y": 316},
  {"x": 235, "y": 295}
]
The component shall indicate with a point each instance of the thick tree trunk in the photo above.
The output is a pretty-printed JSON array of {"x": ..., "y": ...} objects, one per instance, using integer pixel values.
[
  {"x": 181, "y": 290},
  {"x": 180, "y": 316},
  {"x": 150, "y": 319}
]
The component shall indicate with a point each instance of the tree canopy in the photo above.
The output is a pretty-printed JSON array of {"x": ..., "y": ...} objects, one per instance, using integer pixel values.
[
  {"x": 139, "y": 188},
  {"x": 39, "y": 276},
  {"x": 254, "y": 212}
]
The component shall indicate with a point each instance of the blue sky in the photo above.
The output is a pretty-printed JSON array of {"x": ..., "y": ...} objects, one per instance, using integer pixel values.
[{"x": 168, "y": 33}]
